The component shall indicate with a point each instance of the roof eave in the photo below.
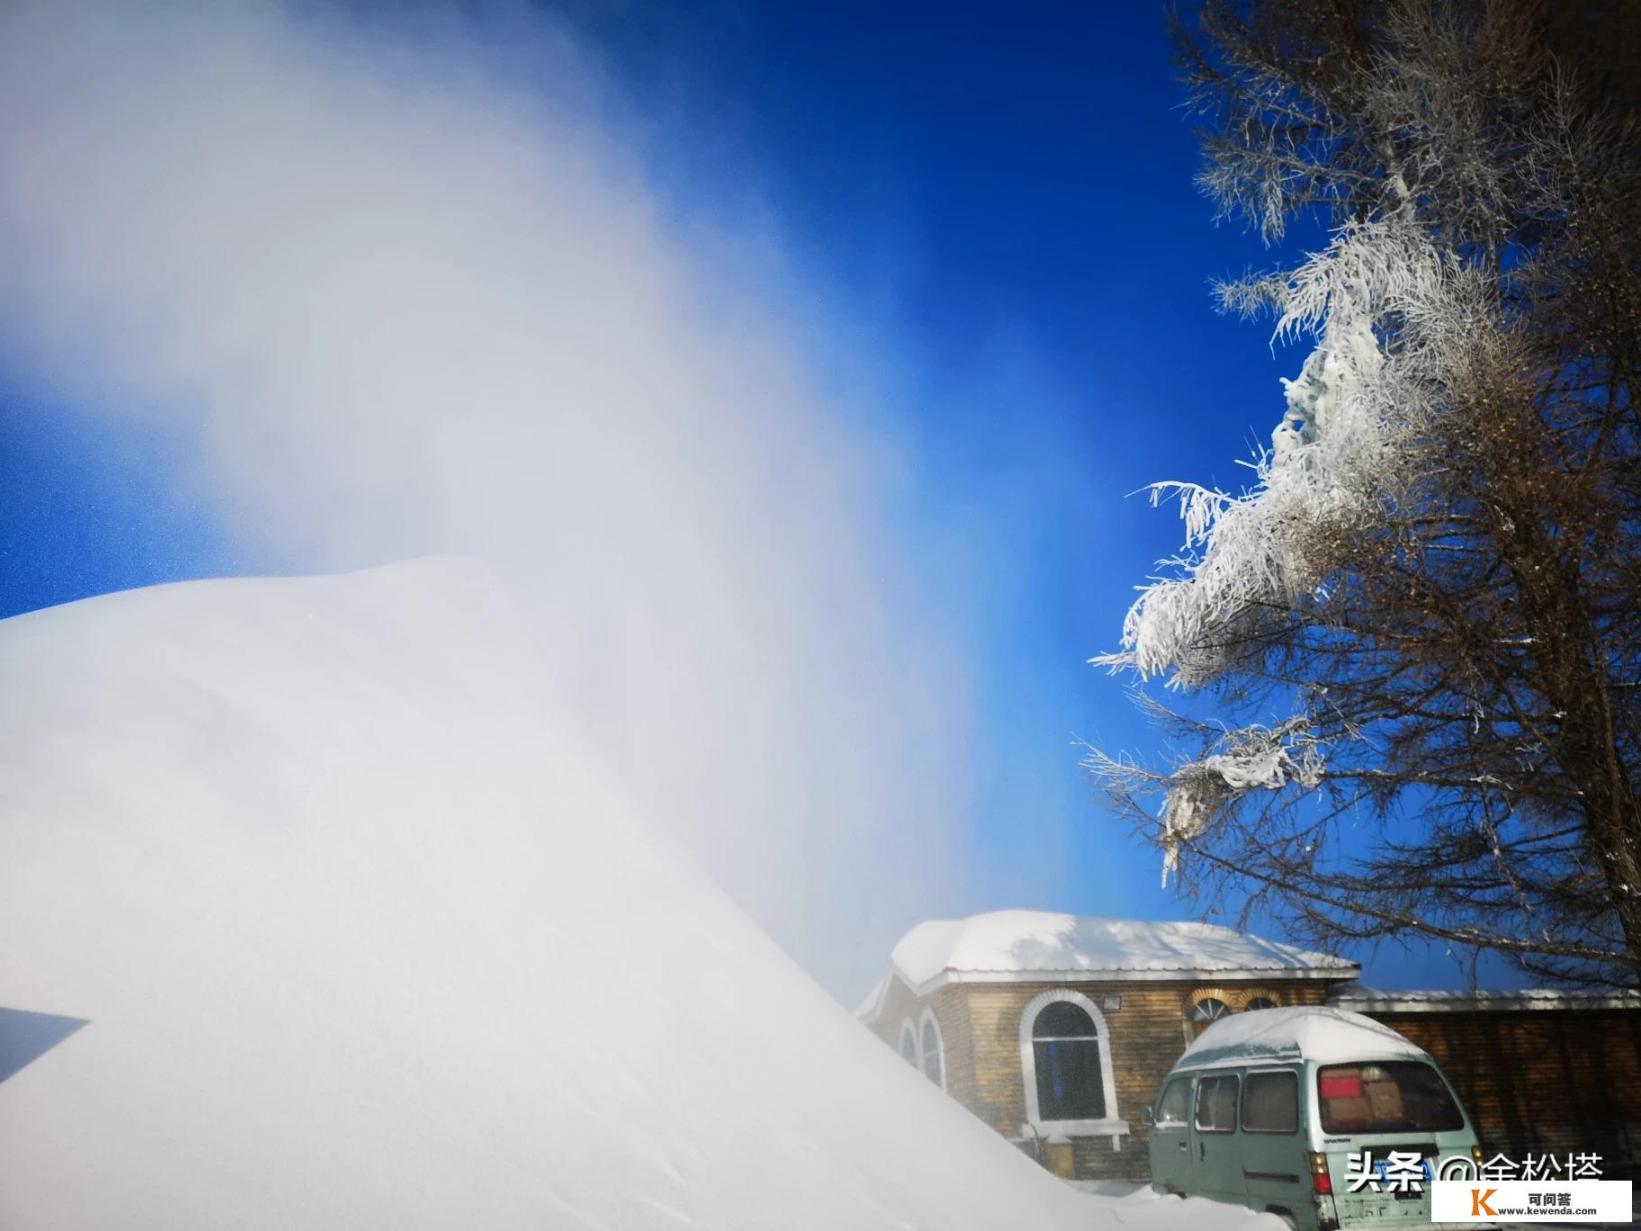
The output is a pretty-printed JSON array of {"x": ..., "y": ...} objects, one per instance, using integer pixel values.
[
  {"x": 1349, "y": 972},
  {"x": 1481, "y": 1004}
]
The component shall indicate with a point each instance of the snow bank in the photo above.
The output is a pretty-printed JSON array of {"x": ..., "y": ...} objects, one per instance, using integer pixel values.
[
  {"x": 361, "y": 939},
  {"x": 1328, "y": 1036},
  {"x": 1029, "y": 941}
]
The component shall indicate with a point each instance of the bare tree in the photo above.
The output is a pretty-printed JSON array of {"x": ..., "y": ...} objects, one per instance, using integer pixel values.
[{"x": 1419, "y": 630}]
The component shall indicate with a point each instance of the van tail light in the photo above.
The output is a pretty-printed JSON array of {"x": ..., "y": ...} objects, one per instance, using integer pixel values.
[{"x": 1321, "y": 1181}]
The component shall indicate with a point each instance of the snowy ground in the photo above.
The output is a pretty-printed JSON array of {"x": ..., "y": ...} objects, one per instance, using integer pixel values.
[
  {"x": 1137, "y": 1204},
  {"x": 363, "y": 938}
]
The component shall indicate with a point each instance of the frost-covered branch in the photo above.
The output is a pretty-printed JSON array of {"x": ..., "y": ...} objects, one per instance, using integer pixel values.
[
  {"x": 1437, "y": 561},
  {"x": 1252, "y": 758},
  {"x": 1388, "y": 313}
]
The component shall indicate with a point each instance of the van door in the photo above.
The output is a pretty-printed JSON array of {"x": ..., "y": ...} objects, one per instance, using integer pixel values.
[
  {"x": 1215, "y": 1162},
  {"x": 1275, "y": 1168},
  {"x": 1171, "y": 1137}
]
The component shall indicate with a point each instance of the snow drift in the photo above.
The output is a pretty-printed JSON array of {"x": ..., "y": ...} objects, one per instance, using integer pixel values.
[{"x": 361, "y": 937}]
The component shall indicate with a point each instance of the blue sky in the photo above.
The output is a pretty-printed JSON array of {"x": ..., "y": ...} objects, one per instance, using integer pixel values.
[
  {"x": 1025, "y": 172},
  {"x": 1005, "y": 194}
]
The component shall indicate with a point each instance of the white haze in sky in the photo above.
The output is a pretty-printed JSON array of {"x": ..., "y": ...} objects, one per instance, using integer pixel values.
[{"x": 392, "y": 294}]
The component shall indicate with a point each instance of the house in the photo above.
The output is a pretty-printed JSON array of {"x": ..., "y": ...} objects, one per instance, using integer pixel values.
[{"x": 1056, "y": 1029}]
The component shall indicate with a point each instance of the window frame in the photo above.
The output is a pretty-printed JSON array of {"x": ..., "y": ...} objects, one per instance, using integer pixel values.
[
  {"x": 1242, "y": 1104},
  {"x": 1111, "y": 1124},
  {"x": 1185, "y": 1121},
  {"x": 1205, "y": 1017},
  {"x": 929, "y": 1019},
  {"x": 908, "y": 1030},
  {"x": 1203, "y": 1082},
  {"x": 1428, "y": 1066}
]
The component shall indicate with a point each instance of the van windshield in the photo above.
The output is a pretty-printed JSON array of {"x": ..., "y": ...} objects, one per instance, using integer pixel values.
[{"x": 1385, "y": 1096}]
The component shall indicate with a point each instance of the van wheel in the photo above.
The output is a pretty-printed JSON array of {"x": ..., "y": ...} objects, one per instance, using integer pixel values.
[{"x": 1293, "y": 1223}]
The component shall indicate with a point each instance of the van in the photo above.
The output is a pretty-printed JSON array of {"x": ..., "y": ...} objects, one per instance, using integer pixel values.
[{"x": 1267, "y": 1108}]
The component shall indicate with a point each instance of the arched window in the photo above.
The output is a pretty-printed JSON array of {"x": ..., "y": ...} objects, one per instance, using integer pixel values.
[
  {"x": 1066, "y": 1056},
  {"x": 1066, "y": 1048},
  {"x": 934, "y": 1055},
  {"x": 1259, "y": 1002},
  {"x": 908, "y": 1043},
  {"x": 1207, "y": 1011}
]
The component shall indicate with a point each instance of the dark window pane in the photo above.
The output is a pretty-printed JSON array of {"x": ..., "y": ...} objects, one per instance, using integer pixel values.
[
  {"x": 908, "y": 1045},
  {"x": 1386, "y": 1096},
  {"x": 1068, "y": 1079},
  {"x": 1260, "y": 1002},
  {"x": 1063, "y": 1020},
  {"x": 1270, "y": 1103},
  {"x": 931, "y": 1052},
  {"x": 1216, "y": 1105}
]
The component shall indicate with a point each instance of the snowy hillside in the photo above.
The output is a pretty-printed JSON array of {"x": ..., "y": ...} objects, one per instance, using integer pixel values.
[{"x": 361, "y": 940}]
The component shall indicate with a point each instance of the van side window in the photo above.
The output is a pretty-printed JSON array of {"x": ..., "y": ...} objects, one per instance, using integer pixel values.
[
  {"x": 1270, "y": 1103},
  {"x": 1176, "y": 1102},
  {"x": 1216, "y": 1104}
]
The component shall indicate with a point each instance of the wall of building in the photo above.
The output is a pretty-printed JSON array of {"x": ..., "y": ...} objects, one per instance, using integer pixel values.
[
  {"x": 951, "y": 1015},
  {"x": 1541, "y": 1081},
  {"x": 899, "y": 1005},
  {"x": 980, "y": 1029},
  {"x": 1535, "y": 1081}
]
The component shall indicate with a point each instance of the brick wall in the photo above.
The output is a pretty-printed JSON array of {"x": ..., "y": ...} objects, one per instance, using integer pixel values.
[{"x": 1541, "y": 1080}]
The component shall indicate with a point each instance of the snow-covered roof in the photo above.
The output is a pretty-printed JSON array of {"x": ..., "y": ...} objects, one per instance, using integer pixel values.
[
  {"x": 1331, "y": 1036},
  {"x": 1444, "y": 1000},
  {"x": 1016, "y": 945}
]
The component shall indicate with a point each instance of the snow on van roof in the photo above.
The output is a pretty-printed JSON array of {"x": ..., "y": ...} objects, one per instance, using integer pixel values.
[
  {"x": 1332, "y": 1036},
  {"x": 1015, "y": 943}
]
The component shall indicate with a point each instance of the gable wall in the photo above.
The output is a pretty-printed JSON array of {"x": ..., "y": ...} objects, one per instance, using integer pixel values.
[{"x": 898, "y": 1005}]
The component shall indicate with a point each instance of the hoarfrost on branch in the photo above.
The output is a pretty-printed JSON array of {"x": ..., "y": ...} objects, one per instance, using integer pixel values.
[
  {"x": 1251, "y": 758},
  {"x": 1391, "y": 318}
]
